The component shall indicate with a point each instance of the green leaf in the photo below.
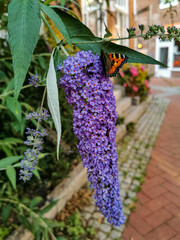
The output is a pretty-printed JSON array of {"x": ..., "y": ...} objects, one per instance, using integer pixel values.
[
  {"x": 57, "y": 21},
  {"x": 64, "y": 8},
  {"x": 14, "y": 106},
  {"x": 36, "y": 173},
  {"x": 178, "y": 38},
  {"x": 58, "y": 58},
  {"x": 3, "y": 76},
  {"x": 42, "y": 62},
  {"x": 10, "y": 85},
  {"x": 47, "y": 208},
  {"x": 133, "y": 56},
  {"x": 75, "y": 3},
  {"x": 80, "y": 34},
  {"x": 48, "y": 1},
  {"x": 23, "y": 27},
  {"x": 10, "y": 141},
  {"x": 53, "y": 99},
  {"x": 6, "y": 210},
  {"x": 76, "y": 29},
  {"x": 1, "y": 8},
  {"x": 35, "y": 201},
  {"x": 63, "y": 2},
  {"x": 11, "y": 173},
  {"x": 108, "y": 33},
  {"x": 7, "y": 150},
  {"x": 61, "y": 238},
  {"x": 25, "y": 221},
  {"x": 8, "y": 161},
  {"x": 28, "y": 107},
  {"x": 51, "y": 223}
]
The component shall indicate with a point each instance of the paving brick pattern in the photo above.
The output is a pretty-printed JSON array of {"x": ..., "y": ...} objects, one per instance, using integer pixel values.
[
  {"x": 134, "y": 154},
  {"x": 158, "y": 207}
]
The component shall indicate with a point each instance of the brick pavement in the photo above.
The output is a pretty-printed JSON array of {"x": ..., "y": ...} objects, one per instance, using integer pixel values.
[{"x": 157, "y": 216}]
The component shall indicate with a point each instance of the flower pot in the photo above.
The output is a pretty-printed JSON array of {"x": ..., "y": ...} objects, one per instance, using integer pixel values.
[{"x": 135, "y": 100}]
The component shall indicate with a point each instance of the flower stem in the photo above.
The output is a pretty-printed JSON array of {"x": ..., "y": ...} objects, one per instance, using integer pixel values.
[
  {"x": 117, "y": 39},
  {"x": 42, "y": 102},
  {"x": 64, "y": 50},
  {"x": 42, "y": 222}
]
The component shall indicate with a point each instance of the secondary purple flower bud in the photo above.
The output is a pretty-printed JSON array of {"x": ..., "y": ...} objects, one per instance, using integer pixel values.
[
  {"x": 94, "y": 117},
  {"x": 34, "y": 140},
  {"x": 39, "y": 115},
  {"x": 34, "y": 80}
]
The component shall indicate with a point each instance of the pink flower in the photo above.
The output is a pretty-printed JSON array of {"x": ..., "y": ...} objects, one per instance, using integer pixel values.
[
  {"x": 142, "y": 68},
  {"x": 134, "y": 71},
  {"x": 146, "y": 83},
  {"x": 125, "y": 85},
  {"x": 121, "y": 73},
  {"x": 134, "y": 88}
]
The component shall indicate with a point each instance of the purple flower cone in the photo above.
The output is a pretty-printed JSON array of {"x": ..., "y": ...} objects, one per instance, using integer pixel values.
[{"x": 94, "y": 117}]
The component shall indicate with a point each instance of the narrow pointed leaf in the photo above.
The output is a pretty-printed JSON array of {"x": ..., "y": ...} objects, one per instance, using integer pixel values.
[
  {"x": 36, "y": 173},
  {"x": 4, "y": 162},
  {"x": 11, "y": 103},
  {"x": 133, "y": 56},
  {"x": 6, "y": 210},
  {"x": 23, "y": 27},
  {"x": 35, "y": 201},
  {"x": 53, "y": 99},
  {"x": 80, "y": 34},
  {"x": 48, "y": 1},
  {"x": 108, "y": 33},
  {"x": 48, "y": 207},
  {"x": 57, "y": 21},
  {"x": 74, "y": 27},
  {"x": 11, "y": 173}
]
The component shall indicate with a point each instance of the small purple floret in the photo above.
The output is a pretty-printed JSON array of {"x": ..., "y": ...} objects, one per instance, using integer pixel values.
[
  {"x": 94, "y": 117},
  {"x": 34, "y": 80},
  {"x": 40, "y": 115},
  {"x": 34, "y": 141}
]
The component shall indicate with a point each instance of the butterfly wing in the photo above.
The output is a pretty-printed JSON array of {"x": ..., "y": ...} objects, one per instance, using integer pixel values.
[
  {"x": 112, "y": 62},
  {"x": 106, "y": 62},
  {"x": 117, "y": 60}
]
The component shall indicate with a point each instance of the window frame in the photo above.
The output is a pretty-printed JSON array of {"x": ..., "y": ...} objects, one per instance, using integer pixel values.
[{"x": 163, "y": 5}]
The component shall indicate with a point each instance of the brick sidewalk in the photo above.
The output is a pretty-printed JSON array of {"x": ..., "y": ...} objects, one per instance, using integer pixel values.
[{"x": 157, "y": 216}]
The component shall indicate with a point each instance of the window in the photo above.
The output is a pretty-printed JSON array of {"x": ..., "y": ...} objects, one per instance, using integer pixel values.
[
  {"x": 166, "y": 3},
  {"x": 176, "y": 63},
  {"x": 164, "y": 52},
  {"x": 94, "y": 16},
  {"x": 122, "y": 24},
  {"x": 122, "y": 17},
  {"x": 122, "y": 5}
]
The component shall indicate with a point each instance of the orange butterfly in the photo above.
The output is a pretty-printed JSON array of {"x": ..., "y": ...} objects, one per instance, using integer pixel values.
[{"x": 112, "y": 62}]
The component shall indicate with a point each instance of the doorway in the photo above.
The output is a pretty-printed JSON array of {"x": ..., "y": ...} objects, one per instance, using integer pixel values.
[{"x": 164, "y": 54}]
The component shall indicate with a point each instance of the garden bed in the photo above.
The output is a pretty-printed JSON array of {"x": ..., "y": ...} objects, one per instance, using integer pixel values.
[{"x": 77, "y": 177}]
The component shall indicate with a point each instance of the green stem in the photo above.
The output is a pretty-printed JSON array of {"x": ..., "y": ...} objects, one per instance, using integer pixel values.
[
  {"x": 50, "y": 29},
  {"x": 34, "y": 55},
  {"x": 64, "y": 50},
  {"x": 43, "y": 224},
  {"x": 12, "y": 91},
  {"x": 117, "y": 39},
  {"x": 42, "y": 102}
]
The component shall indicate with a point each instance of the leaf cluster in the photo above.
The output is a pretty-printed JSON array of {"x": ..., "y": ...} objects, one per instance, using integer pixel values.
[
  {"x": 73, "y": 228},
  {"x": 21, "y": 21}
]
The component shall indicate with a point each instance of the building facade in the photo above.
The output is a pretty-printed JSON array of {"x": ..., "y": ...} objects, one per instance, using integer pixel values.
[
  {"x": 157, "y": 12},
  {"x": 96, "y": 14}
]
